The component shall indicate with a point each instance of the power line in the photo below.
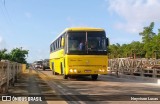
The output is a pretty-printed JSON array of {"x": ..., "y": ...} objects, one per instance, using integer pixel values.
[
  {"x": 2, "y": 10},
  {"x": 5, "y": 11},
  {"x": 6, "y": 15}
]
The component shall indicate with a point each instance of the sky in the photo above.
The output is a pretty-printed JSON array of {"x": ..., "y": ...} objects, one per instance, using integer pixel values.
[{"x": 33, "y": 24}]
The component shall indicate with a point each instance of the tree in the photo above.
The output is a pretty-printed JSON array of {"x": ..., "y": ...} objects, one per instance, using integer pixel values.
[
  {"x": 155, "y": 44},
  {"x": 137, "y": 49},
  {"x": 147, "y": 33},
  {"x": 149, "y": 47},
  {"x": 147, "y": 37},
  {"x": 4, "y": 55},
  {"x": 114, "y": 50},
  {"x": 19, "y": 55},
  {"x": 16, "y": 55}
]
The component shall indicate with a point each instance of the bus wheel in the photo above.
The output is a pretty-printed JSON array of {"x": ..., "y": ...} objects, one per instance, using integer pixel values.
[
  {"x": 94, "y": 77},
  {"x": 65, "y": 76},
  {"x": 53, "y": 72}
]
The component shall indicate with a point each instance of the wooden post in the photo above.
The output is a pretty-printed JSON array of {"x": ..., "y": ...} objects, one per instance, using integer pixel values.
[
  {"x": 134, "y": 55},
  {"x": 154, "y": 73},
  {"x": 14, "y": 74},
  {"x": 8, "y": 76}
]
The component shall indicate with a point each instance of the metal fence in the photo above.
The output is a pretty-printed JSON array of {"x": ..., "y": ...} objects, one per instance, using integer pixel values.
[
  {"x": 9, "y": 72},
  {"x": 141, "y": 67}
]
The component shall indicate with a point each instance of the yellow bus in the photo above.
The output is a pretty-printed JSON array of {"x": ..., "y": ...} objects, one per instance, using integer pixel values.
[{"x": 80, "y": 51}]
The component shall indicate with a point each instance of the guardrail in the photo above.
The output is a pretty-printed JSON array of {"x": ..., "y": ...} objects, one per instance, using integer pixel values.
[
  {"x": 9, "y": 72},
  {"x": 140, "y": 67}
]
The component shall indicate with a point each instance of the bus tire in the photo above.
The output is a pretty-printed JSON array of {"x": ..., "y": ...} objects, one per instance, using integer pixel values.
[
  {"x": 94, "y": 77},
  {"x": 61, "y": 68},
  {"x": 65, "y": 76},
  {"x": 53, "y": 72}
]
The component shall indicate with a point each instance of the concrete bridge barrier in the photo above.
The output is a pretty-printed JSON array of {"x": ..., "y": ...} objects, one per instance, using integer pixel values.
[
  {"x": 138, "y": 67},
  {"x": 9, "y": 73}
]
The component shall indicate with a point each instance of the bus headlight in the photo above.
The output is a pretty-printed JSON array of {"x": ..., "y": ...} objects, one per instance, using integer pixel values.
[
  {"x": 75, "y": 70},
  {"x": 100, "y": 70},
  {"x": 71, "y": 70},
  {"x": 103, "y": 70}
]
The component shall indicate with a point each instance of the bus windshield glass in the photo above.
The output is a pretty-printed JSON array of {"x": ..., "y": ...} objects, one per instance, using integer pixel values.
[{"x": 87, "y": 43}]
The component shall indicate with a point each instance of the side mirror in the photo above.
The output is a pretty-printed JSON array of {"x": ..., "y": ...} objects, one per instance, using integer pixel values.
[
  {"x": 62, "y": 42},
  {"x": 107, "y": 42}
]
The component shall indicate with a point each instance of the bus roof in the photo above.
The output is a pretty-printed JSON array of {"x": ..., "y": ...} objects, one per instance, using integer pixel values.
[
  {"x": 78, "y": 29},
  {"x": 84, "y": 29}
]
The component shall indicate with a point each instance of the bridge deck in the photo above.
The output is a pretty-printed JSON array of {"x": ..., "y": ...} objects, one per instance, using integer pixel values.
[{"x": 107, "y": 89}]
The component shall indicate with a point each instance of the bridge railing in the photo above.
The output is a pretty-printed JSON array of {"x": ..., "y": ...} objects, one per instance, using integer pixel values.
[
  {"x": 9, "y": 72},
  {"x": 141, "y": 67}
]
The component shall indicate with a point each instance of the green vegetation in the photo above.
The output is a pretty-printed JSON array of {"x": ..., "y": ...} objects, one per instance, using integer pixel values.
[
  {"x": 16, "y": 55},
  {"x": 148, "y": 48}
]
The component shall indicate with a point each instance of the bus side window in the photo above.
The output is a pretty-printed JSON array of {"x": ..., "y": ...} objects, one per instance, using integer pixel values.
[{"x": 51, "y": 48}]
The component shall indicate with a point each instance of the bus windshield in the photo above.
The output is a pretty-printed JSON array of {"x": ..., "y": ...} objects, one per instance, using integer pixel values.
[{"x": 87, "y": 43}]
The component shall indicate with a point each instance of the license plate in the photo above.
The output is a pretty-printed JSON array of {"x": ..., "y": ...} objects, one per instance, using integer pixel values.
[{"x": 87, "y": 71}]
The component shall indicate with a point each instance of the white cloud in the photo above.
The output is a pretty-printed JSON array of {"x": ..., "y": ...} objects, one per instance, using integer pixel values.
[
  {"x": 136, "y": 13},
  {"x": 2, "y": 43},
  {"x": 28, "y": 15}
]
